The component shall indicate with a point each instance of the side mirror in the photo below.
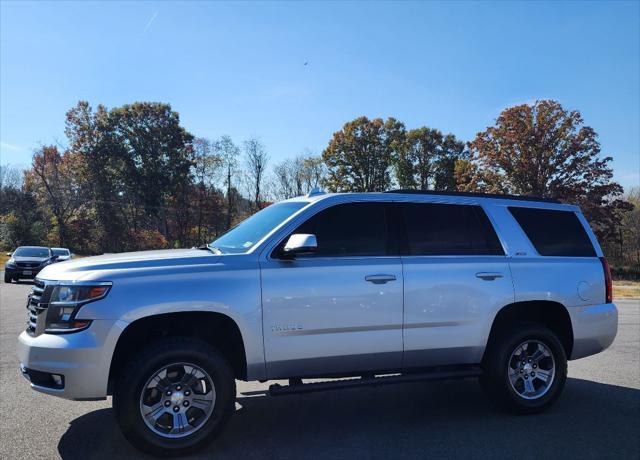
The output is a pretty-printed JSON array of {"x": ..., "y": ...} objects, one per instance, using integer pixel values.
[
  {"x": 300, "y": 244},
  {"x": 54, "y": 258},
  {"x": 9, "y": 253}
]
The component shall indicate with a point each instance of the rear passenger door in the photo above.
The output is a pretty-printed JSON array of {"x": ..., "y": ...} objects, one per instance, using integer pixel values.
[{"x": 456, "y": 277}]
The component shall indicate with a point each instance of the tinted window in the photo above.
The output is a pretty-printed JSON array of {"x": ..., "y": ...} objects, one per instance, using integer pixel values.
[
  {"x": 448, "y": 229},
  {"x": 32, "y": 252},
  {"x": 554, "y": 233},
  {"x": 60, "y": 252},
  {"x": 352, "y": 229}
]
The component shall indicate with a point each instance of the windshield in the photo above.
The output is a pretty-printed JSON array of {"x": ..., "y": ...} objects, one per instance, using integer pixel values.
[
  {"x": 32, "y": 252},
  {"x": 60, "y": 252},
  {"x": 247, "y": 233}
]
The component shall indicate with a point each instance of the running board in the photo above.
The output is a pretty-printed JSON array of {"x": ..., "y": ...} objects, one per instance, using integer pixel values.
[{"x": 296, "y": 385}]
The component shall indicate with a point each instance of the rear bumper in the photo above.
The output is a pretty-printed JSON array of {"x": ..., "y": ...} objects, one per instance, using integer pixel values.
[
  {"x": 83, "y": 359},
  {"x": 594, "y": 328}
]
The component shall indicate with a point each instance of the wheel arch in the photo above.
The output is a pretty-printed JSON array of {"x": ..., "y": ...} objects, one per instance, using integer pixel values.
[
  {"x": 217, "y": 329},
  {"x": 553, "y": 315}
]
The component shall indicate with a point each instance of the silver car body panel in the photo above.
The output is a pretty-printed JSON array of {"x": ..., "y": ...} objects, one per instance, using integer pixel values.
[{"x": 315, "y": 316}]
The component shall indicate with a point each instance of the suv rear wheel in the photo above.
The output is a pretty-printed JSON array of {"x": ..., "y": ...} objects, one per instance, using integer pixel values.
[
  {"x": 525, "y": 368},
  {"x": 174, "y": 397}
]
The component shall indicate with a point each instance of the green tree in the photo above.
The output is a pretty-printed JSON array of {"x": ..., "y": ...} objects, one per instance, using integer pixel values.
[
  {"x": 427, "y": 160},
  {"x": 359, "y": 157},
  {"x": 156, "y": 149},
  {"x": 90, "y": 136},
  {"x": 545, "y": 150}
]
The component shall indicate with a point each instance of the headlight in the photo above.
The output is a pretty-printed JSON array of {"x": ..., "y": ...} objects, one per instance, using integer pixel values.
[
  {"x": 11, "y": 261},
  {"x": 66, "y": 300}
]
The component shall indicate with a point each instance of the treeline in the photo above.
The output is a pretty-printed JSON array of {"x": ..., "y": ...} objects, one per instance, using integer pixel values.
[{"x": 133, "y": 178}]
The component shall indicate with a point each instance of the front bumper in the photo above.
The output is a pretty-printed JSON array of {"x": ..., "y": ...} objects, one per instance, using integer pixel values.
[
  {"x": 82, "y": 358},
  {"x": 19, "y": 272},
  {"x": 594, "y": 328}
]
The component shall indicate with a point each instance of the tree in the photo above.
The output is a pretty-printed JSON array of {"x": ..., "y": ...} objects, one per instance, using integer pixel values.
[
  {"x": 427, "y": 160},
  {"x": 207, "y": 165},
  {"x": 288, "y": 179},
  {"x": 10, "y": 177},
  {"x": 228, "y": 153},
  {"x": 359, "y": 156},
  {"x": 21, "y": 219},
  {"x": 545, "y": 150},
  {"x": 297, "y": 176},
  {"x": 54, "y": 180},
  {"x": 314, "y": 172},
  {"x": 157, "y": 153},
  {"x": 256, "y": 158},
  {"x": 102, "y": 169}
]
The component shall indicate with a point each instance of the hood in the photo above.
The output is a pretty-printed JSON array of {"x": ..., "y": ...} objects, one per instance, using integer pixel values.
[
  {"x": 77, "y": 269},
  {"x": 29, "y": 259}
]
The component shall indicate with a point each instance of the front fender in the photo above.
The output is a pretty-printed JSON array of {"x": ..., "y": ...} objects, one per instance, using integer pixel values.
[{"x": 231, "y": 289}]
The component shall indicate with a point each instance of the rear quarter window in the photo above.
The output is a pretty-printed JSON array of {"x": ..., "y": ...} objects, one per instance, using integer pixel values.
[{"x": 554, "y": 233}]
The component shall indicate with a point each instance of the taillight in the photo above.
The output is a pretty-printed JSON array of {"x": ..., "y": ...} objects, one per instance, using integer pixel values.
[{"x": 607, "y": 280}]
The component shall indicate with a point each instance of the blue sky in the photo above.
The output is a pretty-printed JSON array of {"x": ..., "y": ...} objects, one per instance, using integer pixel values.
[{"x": 238, "y": 69}]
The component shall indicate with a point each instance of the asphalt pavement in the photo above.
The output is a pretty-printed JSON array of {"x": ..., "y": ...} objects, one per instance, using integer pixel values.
[{"x": 598, "y": 416}]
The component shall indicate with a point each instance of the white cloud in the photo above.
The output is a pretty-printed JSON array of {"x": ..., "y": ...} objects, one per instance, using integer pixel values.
[
  {"x": 12, "y": 147},
  {"x": 153, "y": 18}
]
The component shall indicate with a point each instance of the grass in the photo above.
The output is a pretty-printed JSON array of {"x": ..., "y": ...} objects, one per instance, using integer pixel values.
[
  {"x": 3, "y": 258},
  {"x": 626, "y": 289}
]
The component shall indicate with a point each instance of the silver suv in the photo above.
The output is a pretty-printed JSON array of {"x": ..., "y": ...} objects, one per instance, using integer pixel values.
[{"x": 376, "y": 287}]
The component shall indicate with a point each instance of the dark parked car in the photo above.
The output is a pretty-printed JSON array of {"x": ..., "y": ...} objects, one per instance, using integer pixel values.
[{"x": 26, "y": 262}]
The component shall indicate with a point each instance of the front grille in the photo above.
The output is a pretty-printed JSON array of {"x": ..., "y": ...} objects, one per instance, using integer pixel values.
[
  {"x": 28, "y": 264},
  {"x": 37, "y": 306}
]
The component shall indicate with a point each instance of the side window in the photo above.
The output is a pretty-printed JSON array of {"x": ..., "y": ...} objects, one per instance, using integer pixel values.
[
  {"x": 449, "y": 229},
  {"x": 554, "y": 233},
  {"x": 350, "y": 229}
]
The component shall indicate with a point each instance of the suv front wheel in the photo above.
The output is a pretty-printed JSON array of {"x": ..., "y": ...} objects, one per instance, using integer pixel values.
[
  {"x": 525, "y": 368},
  {"x": 174, "y": 397}
]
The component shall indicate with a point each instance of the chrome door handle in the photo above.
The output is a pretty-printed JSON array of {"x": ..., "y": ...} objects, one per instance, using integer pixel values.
[
  {"x": 380, "y": 279},
  {"x": 488, "y": 276}
]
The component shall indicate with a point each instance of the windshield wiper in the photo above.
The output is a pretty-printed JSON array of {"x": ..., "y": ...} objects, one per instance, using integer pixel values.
[{"x": 206, "y": 247}]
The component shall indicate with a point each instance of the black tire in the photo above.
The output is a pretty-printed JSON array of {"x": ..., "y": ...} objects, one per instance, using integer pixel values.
[
  {"x": 7, "y": 278},
  {"x": 495, "y": 380},
  {"x": 135, "y": 374}
]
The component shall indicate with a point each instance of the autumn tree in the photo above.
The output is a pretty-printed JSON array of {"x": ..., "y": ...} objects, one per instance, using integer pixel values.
[
  {"x": 256, "y": 158},
  {"x": 359, "y": 156},
  {"x": 427, "y": 160},
  {"x": 545, "y": 150},
  {"x": 21, "y": 219},
  {"x": 54, "y": 179}
]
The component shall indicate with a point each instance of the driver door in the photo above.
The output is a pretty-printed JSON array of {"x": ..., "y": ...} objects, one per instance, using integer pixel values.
[{"x": 339, "y": 310}]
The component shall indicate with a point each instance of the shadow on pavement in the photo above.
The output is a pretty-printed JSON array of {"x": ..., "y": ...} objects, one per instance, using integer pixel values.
[{"x": 417, "y": 420}]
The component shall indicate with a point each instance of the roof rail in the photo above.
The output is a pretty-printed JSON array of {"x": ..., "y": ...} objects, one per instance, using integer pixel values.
[
  {"x": 315, "y": 191},
  {"x": 476, "y": 194}
]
